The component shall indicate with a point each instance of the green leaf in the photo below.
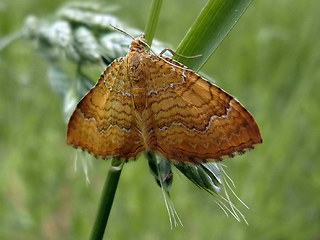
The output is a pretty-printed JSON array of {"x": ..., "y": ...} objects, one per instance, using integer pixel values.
[
  {"x": 212, "y": 25},
  {"x": 160, "y": 169},
  {"x": 206, "y": 176}
]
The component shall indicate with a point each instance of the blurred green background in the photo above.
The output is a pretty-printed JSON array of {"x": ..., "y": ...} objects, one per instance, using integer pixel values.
[{"x": 269, "y": 61}]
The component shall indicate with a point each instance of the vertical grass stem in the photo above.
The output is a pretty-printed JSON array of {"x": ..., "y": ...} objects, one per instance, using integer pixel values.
[{"x": 106, "y": 200}]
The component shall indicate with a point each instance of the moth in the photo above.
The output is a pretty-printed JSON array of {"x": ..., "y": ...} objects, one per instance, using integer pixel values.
[{"x": 148, "y": 102}]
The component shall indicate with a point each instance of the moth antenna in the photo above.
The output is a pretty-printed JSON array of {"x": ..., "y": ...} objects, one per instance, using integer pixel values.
[
  {"x": 183, "y": 68},
  {"x": 173, "y": 53},
  {"x": 120, "y": 30},
  {"x": 159, "y": 55}
]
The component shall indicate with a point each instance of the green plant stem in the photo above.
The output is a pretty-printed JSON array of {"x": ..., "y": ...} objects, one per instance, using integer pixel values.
[
  {"x": 209, "y": 29},
  {"x": 151, "y": 25},
  {"x": 106, "y": 200},
  {"x": 5, "y": 41}
]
